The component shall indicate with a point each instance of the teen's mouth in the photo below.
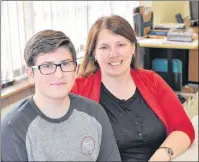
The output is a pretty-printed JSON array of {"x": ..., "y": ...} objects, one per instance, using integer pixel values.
[{"x": 58, "y": 83}]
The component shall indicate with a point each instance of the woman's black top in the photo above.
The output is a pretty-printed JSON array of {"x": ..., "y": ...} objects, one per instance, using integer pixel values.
[{"x": 137, "y": 129}]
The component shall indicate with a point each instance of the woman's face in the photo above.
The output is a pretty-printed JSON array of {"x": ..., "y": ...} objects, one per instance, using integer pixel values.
[{"x": 113, "y": 53}]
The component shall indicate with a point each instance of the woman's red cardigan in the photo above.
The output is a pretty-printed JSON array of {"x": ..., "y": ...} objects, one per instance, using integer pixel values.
[{"x": 155, "y": 91}]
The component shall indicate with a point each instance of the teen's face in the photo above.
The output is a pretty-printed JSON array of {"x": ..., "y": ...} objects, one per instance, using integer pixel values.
[
  {"x": 58, "y": 84},
  {"x": 113, "y": 53}
]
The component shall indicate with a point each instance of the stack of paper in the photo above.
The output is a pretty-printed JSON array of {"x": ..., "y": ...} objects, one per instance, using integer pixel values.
[
  {"x": 181, "y": 35},
  {"x": 168, "y": 26},
  {"x": 151, "y": 41}
]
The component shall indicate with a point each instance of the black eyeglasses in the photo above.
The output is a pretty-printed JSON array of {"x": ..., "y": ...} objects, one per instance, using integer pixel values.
[{"x": 50, "y": 68}]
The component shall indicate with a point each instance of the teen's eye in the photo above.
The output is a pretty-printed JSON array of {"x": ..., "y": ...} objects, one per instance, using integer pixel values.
[
  {"x": 70, "y": 63},
  {"x": 47, "y": 66},
  {"x": 65, "y": 63}
]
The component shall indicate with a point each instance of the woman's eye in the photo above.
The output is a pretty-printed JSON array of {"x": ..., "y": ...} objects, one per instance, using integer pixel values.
[
  {"x": 104, "y": 47},
  {"x": 121, "y": 45}
]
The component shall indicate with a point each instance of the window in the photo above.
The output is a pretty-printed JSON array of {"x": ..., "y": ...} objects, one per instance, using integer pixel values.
[{"x": 22, "y": 19}]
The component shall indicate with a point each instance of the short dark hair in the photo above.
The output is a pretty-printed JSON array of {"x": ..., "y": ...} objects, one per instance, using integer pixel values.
[
  {"x": 46, "y": 41},
  {"x": 116, "y": 24}
]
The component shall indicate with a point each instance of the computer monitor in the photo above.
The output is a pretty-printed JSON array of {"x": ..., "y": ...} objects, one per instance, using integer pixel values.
[{"x": 194, "y": 12}]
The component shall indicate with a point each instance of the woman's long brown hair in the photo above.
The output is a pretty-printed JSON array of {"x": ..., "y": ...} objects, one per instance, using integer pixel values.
[{"x": 116, "y": 25}]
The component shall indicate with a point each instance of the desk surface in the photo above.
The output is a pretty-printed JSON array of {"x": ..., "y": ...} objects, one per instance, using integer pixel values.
[
  {"x": 191, "y": 154},
  {"x": 163, "y": 43}
]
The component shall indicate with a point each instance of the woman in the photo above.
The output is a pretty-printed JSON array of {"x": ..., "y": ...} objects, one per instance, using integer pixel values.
[{"x": 148, "y": 120}]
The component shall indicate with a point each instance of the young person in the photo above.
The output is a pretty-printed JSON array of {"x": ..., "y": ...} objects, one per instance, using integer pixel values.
[
  {"x": 148, "y": 120},
  {"x": 53, "y": 125}
]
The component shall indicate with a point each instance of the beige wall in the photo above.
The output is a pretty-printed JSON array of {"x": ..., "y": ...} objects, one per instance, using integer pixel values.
[{"x": 165, "y": 11}]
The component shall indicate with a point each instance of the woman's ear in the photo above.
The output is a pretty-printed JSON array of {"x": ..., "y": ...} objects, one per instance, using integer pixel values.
[
  {"x": 94, "y": 57},
  {"x": 30, "y": 75},
  {"x": 133, "y": 49}
]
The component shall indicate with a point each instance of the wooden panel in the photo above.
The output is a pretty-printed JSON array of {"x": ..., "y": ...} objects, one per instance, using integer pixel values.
[
  {"x": 14, "y": 89},
  {"x": 15, "y": 97},
  {"x": 195, "y": 29},
  {"x": 193, "y": 65}
]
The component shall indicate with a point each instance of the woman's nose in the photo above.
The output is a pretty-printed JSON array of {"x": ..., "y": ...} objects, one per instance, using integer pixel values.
[{"x": 113, "y": 52}]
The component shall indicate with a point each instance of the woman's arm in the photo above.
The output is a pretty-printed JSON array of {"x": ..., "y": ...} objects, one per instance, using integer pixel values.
[
  {"x": 178, "y": 141},
  {"x": 180, "y": 129}
]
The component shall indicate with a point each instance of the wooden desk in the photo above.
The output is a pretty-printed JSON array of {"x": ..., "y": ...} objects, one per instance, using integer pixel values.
[
  {"x": 163, "y": 49},
  {"x": 193, "y": 66}
]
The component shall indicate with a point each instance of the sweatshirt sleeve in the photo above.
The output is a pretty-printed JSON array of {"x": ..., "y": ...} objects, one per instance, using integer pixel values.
[
  {"x": 175, "y": 114},
  {"x": 12, "y": 145},
  {"x": 108, "y": 149}
]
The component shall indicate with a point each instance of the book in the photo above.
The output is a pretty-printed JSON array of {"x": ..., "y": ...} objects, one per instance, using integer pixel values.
[{"x": 158, "y": 32}]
